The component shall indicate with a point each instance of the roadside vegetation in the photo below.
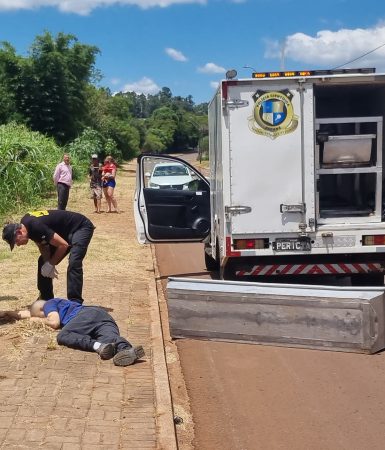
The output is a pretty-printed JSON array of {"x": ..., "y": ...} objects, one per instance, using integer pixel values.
[{"x": 52, "y": 102}]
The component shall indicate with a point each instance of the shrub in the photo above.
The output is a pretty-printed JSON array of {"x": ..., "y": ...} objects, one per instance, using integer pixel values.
[
  {"x": 27, "y": 162},
  {"x": 89, "y": 142}
]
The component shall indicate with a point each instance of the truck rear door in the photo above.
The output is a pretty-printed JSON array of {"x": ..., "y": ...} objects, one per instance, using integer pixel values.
[{"x": 271, "y": 155}]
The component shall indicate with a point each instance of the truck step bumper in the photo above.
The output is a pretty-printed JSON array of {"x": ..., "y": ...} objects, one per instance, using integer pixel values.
[
  {"x": 318, "y": 317},
  {"x": 311, "y": 269}
]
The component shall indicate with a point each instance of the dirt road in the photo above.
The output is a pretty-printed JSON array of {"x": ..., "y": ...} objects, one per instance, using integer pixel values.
[
  {"x": 249, "y": 397},
  {"x": 253, "y": 397}
]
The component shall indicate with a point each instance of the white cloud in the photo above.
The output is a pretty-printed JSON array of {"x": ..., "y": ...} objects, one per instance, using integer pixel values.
[
  {"x": 175, "y": 54},
  {"x": 211, "y": 68},
  {"x": 143, "y": 86},
  {"x": 214, "y": 84},
  {"x": 84, "y": 7},
  {"x": 334, "y": 48}
]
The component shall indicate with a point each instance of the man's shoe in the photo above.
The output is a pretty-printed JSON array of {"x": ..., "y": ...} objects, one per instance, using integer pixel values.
[
  {"x": 128, "y": 356},
  {"x": 106, "y": 351}
]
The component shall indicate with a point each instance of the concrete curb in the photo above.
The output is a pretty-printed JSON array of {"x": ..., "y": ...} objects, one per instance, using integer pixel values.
[
  {"x": 184, "y": 431},
  {"x": 163, "y": 408}
]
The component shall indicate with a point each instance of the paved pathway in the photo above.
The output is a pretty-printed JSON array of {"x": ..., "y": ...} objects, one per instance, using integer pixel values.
[{"x": 57, "y": 398}]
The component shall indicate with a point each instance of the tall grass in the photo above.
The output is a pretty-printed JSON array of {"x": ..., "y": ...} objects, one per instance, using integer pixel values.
[{"x": 27, "y": 162}]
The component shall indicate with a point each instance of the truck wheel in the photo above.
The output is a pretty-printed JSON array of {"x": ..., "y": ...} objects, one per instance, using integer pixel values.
[
  {"x": 228, "y": 272},
  {"x": 211, "y": 263}
]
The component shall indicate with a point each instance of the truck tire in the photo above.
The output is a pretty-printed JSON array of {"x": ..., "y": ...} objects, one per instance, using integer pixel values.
[
  {"x": 228, "y": 271},
  {"x": 211, "y": 264}
]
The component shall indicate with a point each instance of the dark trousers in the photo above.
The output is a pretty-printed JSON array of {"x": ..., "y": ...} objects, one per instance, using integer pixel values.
[
  {"x": 63, "y": 192},
  {"x": 90, "y": 325},
  {"x": 79, "y": 242}
]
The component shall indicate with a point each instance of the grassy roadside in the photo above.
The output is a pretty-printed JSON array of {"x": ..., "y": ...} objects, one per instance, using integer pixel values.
[{"x": 113, "y": 252}]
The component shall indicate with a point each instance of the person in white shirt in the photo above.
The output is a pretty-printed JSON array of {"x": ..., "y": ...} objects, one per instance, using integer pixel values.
[{"x": 62, "y": 178}]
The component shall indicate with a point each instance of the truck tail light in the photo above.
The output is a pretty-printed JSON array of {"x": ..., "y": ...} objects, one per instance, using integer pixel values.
[
  {"x": 250, "y": 244},
  {"x": 375, "y": 239}
]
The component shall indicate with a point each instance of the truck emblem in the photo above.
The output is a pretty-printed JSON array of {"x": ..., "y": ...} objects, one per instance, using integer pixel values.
[{"x": 273, "y": 114}]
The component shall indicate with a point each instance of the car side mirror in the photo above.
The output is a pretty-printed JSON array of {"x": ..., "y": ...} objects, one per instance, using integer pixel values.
[{"x": 147, "y": 174}]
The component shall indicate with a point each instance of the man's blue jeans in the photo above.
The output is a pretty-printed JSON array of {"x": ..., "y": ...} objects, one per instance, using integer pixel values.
[{"x": 91, "y": 324}]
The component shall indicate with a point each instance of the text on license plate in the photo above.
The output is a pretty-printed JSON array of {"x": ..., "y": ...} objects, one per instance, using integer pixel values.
[{"x": 292, "y": 245}]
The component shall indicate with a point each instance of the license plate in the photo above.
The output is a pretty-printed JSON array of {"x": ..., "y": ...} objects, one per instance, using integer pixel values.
[{"x": 292, "y": 245}]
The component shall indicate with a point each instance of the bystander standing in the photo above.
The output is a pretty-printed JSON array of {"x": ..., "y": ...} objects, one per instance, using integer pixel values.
[
  {"x": 62, "y": 178},
  {"x": 95, "y": 175}
]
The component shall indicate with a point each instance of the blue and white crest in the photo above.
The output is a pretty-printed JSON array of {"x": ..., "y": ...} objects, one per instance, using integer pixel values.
[{"x": 273, "y": 112}]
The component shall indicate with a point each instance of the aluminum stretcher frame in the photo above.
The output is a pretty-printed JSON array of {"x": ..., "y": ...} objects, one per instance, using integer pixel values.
[{"x": 349, "y": 319}]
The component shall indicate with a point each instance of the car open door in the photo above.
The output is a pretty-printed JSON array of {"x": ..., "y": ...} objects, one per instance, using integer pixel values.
[{"x": 170, "y": 212}]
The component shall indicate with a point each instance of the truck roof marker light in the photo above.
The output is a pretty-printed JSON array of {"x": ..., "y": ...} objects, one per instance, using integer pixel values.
[{"x": 312, "y": 73}]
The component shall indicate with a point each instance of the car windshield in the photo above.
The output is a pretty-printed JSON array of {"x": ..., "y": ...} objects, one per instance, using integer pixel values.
[{"x": 166, "y": 171}]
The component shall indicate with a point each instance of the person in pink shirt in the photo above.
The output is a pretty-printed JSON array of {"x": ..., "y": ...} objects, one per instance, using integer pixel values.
[{"x": 62, "y": 178}]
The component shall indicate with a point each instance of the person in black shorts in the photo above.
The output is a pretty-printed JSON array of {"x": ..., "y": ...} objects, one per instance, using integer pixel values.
[
  {"x": 56, "y": 233},
  {"x": 95, "y": 176}
]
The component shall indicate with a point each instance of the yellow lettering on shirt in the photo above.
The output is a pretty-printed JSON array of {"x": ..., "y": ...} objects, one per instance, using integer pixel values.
[{"x": 40, "y": 213}]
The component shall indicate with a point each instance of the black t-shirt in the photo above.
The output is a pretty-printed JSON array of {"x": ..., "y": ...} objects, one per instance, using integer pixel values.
[
  {"x": 41, "y": 225},
  {"x": 95, "y": 173}
]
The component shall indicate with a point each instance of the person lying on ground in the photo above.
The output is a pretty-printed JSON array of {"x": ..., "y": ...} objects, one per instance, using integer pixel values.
[{"x": 88, "y": 328}]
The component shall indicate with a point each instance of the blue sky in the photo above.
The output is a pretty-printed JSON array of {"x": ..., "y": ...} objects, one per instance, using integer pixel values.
[{"x": 187, "y": 45}]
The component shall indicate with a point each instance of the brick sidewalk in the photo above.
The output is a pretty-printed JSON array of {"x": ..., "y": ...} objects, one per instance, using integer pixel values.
[{"x": 57, "y": 398}]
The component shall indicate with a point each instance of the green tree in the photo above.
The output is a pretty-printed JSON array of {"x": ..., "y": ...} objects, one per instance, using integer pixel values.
[
  {"x": 201, "y": 109},
  {"x": 121, "y": 106},
  {"x": 153, "y": 143},
  {"x": 9, "y": 72},
  {"x": 126, "y": 137},
  {"x": 52, "y": 85},
  {"x": 163, "y": 123},
  {"x": 112, "y": 117}
]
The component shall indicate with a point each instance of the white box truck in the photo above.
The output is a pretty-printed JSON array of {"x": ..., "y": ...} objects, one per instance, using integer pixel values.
[{"x": 295, "y": 185}]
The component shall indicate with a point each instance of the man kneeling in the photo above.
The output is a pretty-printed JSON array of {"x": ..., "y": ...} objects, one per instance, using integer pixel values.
[{"x": 88, "y": 328}]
